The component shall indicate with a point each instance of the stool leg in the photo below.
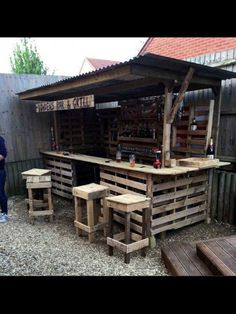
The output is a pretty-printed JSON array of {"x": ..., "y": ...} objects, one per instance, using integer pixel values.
[
  {"x": 144, "y": 230},
  {"x": 78, "y": 214},
  {"x": 127, "y": 235},
  {"x": 105, "y": 217},
  {"x": 90, "y": 215},
  {"x": 110, "y": 229},
  {"x": 31, "y": 206}
]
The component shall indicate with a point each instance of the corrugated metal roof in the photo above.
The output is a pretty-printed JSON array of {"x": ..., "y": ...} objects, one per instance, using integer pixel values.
[{"x": 149, "y": 61}]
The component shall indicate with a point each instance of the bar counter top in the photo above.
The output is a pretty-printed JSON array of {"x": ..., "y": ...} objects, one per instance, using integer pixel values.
[{"x": 125, "y": 165}]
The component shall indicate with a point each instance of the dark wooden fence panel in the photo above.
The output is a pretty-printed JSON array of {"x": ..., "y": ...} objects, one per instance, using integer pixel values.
[
  {"x": 224, "y": 197},
  {"x": 14, "y": 183}
]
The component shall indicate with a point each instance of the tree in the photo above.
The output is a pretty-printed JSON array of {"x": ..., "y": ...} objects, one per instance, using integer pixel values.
[{"x": 26, "y": 59}]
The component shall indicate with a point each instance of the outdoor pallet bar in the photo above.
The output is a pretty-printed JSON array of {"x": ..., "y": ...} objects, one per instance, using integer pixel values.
[
  {"x": 179, "y": 195},
  {"x": 153, "y": 113}
]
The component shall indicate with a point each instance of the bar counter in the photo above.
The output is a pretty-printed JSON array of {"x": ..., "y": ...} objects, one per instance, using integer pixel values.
[{"x": 180, "y": 196}]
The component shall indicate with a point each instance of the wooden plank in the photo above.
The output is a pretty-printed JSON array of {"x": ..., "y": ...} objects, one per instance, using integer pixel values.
[
  {"x": 221, "y": 196},
  {"x": 198, "y": 162},
  {"x": 180, "y": 224},
  {"x": 181, "y": 193},
  {"x": 166, "y": 126},
  {"x": 127, "y": 248},
  {"x": 214, "y": 196},
  {"x": 185, "y": 261},
  {"x": 232, "y": 213},
  {"x": 133, "y": 226},
  {"x": 182, "y": 203},
  {"x": 63, "y": 194},
  {"x": 172, "y": 262},
  {"x": 180, "y": 182},
  {"x": 181, "y": 214},
  {"x": 123, "y": 181},
  {"x": 37, "y": 203},
  {"x": 59, "y": 164},
  {"x": 180, "y": 96},
  {"x": 209, "y": 125},
  {"x": 218, "y": 261},
  {"x": 62, "y": 187},
  {"x": 61, "y": 179},
  {"x": 118, "y": 189},
  {"x": 40, "y": 212},
  {"x": 190, "y": 250},
  {"x": 39, "y": 185},
  {"x": 34, "y": 179},
  {"x": 88, "y": 229},
  {"x": 227, "y": 197},
  {"x": 137, "y": 245},
  {"x": 35, "y": 172},
  {"x": 61, "y": 172},
  {"x": 216, "y": 118}
]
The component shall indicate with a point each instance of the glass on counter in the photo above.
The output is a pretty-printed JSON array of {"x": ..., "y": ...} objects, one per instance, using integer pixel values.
[{"x": 132, "y": 160}]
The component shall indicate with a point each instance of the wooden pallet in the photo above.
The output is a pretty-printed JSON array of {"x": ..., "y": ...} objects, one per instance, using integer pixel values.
[{"x": 62, "y": 175}]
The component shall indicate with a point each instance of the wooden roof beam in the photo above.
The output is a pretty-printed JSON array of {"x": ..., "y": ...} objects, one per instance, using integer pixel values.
[{"x": 171, "y": 75}]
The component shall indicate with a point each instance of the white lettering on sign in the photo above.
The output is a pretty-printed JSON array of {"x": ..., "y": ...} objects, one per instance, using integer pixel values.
[{"x": 66, "y": 104}]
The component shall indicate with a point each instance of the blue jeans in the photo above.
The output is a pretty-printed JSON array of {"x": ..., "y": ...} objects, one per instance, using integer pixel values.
[{"x": 3, "y": 197}]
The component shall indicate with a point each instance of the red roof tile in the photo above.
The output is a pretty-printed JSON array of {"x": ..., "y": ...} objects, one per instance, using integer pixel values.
[{"x": 101, "y": 63}]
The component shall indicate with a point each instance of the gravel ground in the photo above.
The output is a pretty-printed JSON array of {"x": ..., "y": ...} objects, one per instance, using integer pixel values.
[{"x": 53, "y": 249}]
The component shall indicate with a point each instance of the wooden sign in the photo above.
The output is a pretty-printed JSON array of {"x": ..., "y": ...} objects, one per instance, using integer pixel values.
[{"x": 66, "y": 104}]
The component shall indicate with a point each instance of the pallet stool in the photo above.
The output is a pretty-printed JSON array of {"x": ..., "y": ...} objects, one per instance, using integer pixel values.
[
  {"x": 90, "y": 193},
  {"x": 126, "y": 204},
  {"x": 39, "y": 180}
]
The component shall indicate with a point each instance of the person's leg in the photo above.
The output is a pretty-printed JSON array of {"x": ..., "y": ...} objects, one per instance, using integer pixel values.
[{"x": 3, "y": 197}]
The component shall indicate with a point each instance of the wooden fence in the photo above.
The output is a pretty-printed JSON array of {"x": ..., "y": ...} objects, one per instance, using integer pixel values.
[
  {"x": 14, "y": 183},
  {"x": 224, "y": 197}
]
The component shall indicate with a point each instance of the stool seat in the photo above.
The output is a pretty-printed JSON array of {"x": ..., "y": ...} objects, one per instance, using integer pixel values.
[
  {"x": 128, "y": 203},
  {"x": 90, "y": 192}
]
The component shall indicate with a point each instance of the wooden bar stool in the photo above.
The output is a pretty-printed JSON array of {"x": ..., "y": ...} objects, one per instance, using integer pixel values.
[
  {"x": 90, "y": 193},
  {"x": 37, "y": 181},
  {"x": 126, "y": 204}
]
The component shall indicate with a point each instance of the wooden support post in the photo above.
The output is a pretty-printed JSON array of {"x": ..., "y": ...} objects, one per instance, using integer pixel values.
[
  {"x": 216, "y": 117},
  {"x": 166, "y": 126},
  {"x": 209, "y": 124},
  {"x": 55, "y": 123},
  {"x": 180, "y": 96}
]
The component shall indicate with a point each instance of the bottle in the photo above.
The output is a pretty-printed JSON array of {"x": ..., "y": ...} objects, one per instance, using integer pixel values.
[
  {"x": 153, "y": 134},
  {"x": 211, "y": 150},
  {"x": 118, "y": 153},
  {"x": 194, "y": 124}
]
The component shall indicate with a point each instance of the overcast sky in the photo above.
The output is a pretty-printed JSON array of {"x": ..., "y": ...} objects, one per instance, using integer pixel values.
[{"x": 66, "y": 54}]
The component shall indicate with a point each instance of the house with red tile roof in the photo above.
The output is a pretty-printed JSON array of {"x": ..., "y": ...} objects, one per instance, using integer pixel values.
[
  {"x": 187, "y": 47},
  {"x": 91, "y": 64}
]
